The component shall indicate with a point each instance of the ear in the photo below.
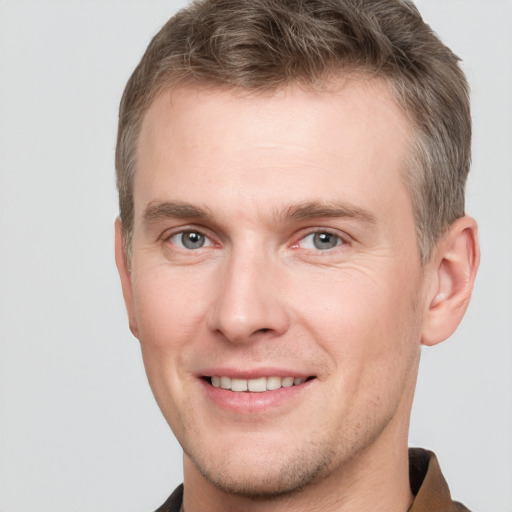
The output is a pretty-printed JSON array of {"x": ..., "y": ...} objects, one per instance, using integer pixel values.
[
  {"x": 125, "y": 275},
  {"x": 452, "y": 269}
]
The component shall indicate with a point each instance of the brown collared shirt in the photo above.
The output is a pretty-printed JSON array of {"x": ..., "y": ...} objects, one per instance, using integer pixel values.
[{"x": 427, "y": 484}]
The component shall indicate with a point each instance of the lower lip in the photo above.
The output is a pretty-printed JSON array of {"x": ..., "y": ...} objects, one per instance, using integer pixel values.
[{"x": 247, "y": 402}]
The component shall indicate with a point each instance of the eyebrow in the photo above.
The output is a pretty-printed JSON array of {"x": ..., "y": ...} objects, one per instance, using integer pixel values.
[
  {"x": 161, "y": 210},
  {"x": 315, "y": 210}
]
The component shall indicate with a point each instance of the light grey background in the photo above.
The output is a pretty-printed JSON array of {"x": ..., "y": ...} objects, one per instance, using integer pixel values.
[{"x": 79, "y": 430}]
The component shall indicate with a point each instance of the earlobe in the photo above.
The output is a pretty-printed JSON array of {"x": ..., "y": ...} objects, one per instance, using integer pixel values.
[
  {"x": 453, "y": 266},
  {"x": 125, "y": 275}
]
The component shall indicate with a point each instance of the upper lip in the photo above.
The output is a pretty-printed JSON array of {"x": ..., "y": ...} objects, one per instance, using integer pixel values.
[{"x": 255, "y": 373}]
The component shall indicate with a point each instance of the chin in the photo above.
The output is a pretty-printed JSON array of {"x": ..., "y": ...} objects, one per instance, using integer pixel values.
[
  {"x": 265, "y": 477},
  {"x": 288, "y": 481}
]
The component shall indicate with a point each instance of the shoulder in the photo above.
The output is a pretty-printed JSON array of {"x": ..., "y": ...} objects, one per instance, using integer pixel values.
[{"x": 173, "y": 503}]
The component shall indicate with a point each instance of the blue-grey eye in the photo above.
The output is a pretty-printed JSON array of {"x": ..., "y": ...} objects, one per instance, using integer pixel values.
[
  {"x": 325, "y": 240},
  {"x": 189, "y": 239},
  {"x": 321, "y": 241}
]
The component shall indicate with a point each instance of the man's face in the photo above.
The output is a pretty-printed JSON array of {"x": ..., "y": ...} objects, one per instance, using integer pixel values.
[{"x": 274, "y": 242}]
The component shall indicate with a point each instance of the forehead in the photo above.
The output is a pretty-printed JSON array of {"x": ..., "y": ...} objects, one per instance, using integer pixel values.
[{"x": 199, "y": 143}]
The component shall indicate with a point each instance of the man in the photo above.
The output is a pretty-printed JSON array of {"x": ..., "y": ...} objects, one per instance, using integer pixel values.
[{"x": 291, "y": 177}]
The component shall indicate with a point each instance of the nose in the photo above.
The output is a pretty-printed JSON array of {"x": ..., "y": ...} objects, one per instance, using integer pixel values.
[{"x": 250, "y": 301}]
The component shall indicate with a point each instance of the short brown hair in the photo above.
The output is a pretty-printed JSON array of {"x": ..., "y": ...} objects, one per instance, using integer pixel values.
[{"x": 262, "y": 45}]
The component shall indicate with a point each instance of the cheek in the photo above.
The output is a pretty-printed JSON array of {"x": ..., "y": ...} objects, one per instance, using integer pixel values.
[
  {"x": 362, "y": 321},
  {"x": 168, "y": 308},
  {"x": 169, "y": 311},
  {"x": 370, "y": 331}
]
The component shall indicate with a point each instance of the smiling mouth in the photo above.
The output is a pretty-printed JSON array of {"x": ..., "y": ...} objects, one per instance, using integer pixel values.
[{"x": 258, "y": 385}]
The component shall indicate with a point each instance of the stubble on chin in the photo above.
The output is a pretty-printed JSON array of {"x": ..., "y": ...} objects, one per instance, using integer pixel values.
[
  {"x": 265, "y": 481},
  {"x": 284, "y": 475}
]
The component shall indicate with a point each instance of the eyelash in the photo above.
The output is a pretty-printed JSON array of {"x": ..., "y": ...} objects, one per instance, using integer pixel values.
[
  {"x": 340, "y": 240},
  {"x": 208, "y": 241}
]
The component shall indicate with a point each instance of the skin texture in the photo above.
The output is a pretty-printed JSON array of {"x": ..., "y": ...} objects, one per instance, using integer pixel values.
[{"x": 258, "y": 176}]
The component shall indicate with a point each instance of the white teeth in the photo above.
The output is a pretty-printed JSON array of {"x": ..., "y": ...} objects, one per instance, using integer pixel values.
[
  {"x": 225, "y": 382},
  {"x": 287, "y": 382},
  {"x": 238, "y": 385},
  {"x": 273, "y": 383},
  {"x": 258, "y": 385}
]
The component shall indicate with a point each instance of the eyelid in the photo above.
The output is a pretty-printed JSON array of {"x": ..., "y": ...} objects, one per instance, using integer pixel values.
[
  {"x": 342, "y": 236},
  {"x": 179, "y": 230}
]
